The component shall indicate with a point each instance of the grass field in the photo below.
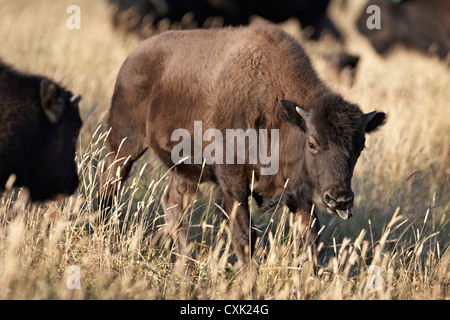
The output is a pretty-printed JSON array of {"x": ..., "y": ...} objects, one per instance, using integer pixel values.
[{"x": 396, "y": 246}]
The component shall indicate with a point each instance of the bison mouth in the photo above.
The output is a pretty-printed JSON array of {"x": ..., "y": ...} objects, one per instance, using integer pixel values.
[
  {"x": 344, "y": 214},
  {"x": 339, "y": 201}
]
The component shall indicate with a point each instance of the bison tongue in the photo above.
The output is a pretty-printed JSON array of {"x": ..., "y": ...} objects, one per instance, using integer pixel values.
[{"x": 347, "y": 214}]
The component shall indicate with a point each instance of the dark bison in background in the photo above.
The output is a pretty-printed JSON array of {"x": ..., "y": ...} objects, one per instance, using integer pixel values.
[
  {"x": 39, "y": 125},
  {"x": 418, "y": 24},
  {"x": 255, "y": 77},
  {"x": 136, "y": 15}
]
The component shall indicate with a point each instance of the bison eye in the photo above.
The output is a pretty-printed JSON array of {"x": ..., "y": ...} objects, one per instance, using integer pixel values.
[{"x": 312, "y": 147}]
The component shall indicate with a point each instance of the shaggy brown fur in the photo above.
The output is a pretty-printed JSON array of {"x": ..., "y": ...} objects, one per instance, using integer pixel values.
[
  {"x": 248, "y": 77},
  {"x": 39, "y": 125},
  {"x": 423, "y": 25}
]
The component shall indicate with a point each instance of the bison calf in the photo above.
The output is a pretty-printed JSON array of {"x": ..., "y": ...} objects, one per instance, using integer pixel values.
[
  {"x": 250, "y": 79},
  {"x": 39, "y": 125}
]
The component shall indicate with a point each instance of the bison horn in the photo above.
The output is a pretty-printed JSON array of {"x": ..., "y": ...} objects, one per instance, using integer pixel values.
[
  {"x": 302, "y": 112},
  {"x": 75, "y": 98},
  {"x": 369, "y": 116}
]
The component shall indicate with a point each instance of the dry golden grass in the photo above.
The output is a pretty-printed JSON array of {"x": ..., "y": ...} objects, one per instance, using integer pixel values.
[{"x": 401, "y": 182}]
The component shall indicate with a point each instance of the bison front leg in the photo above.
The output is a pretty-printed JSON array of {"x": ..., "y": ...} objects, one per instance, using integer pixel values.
[
  {"x": 308, "y": 227},
  {"x": 242, "y": 233},
  {"x": 307, "y": 223},
  {"x": 174, "y": 200}
]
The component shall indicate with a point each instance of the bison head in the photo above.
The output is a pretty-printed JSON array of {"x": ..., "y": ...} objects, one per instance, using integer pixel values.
[
  {"x": 53, "y": 170},
  {"x": 334, "y": 132}
]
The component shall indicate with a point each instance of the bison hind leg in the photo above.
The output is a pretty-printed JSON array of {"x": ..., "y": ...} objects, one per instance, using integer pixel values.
[
  {"x": 114, "y": 169},
  {"x": 175, "y": 201}
]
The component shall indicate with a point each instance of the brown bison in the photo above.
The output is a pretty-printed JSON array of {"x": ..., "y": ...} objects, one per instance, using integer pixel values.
[
  {"x": 422, "y": 25},
  {"x": 206, "y": 84},
  {"x": 138, "y": 16},
  {"x": 39, "y": 125}
]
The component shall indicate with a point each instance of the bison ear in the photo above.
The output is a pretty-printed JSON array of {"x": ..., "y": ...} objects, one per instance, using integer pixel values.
[
  {"x": 374, "y": 121},
  {"x": 51, "y": 102},
  {"x": 293, "y": 114}
]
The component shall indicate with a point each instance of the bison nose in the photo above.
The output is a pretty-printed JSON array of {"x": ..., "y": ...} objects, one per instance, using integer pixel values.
[{"x": 340, "y": 200}]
